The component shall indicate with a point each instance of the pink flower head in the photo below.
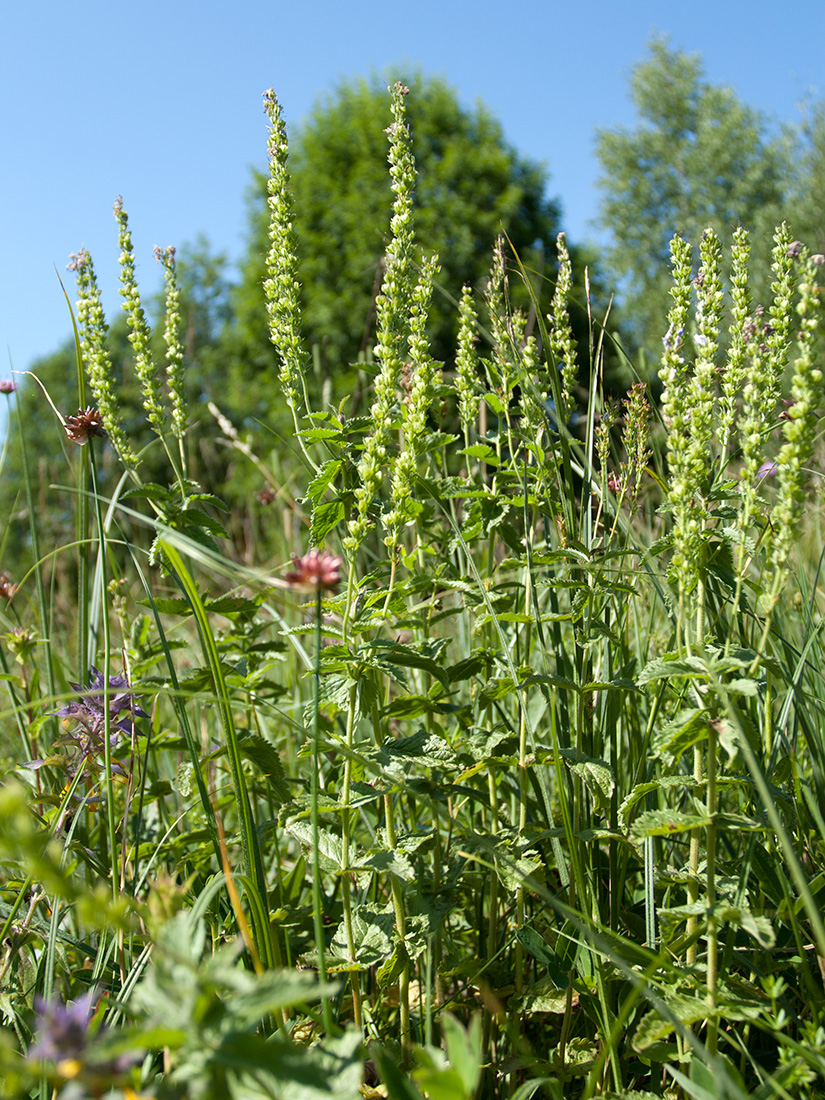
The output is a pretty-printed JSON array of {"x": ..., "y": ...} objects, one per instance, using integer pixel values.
[
  {"x": 86, "y": 424},
  {"x": 316, "y": 571}
]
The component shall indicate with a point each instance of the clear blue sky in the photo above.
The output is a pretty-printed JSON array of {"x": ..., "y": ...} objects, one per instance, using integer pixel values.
[{"x": 161, "y": 102}]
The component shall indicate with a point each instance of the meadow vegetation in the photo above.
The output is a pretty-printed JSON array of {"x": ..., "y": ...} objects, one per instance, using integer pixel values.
[{"x": 510, "y": 783}]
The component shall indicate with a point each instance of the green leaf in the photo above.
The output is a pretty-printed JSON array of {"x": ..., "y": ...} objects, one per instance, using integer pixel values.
[
  {"x": 388, "y": 973},
  {"x": 545, "y": 996},
  {"x": 424, "y": 748},
  {"x": 389, "y": 863},
  {"x": 373, "y": 931},
  {"x": 642, "y": 789},
  {"x": 671, "y": 665},
  {"x": 597, "y": 775},
  {"x": 653, "y": 1027},
  {"x": 666, "y": 823},
  {"x": 541, "y": 950},
  {"x": 325, "y": 516},
  {"x": 687, "y": 728},
  {"x": 268, "y": 761},
  {"x": 330, "y": 851},
  {"x": 323, "y": 479}
]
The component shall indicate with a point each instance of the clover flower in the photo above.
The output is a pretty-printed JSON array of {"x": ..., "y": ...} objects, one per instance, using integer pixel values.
[
  {"x": 7, "y": 386},
  {"x": 86, "y": 424},
  {"x": 316, "y": 571}
]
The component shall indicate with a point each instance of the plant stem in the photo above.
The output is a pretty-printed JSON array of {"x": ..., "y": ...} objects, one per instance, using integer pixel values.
[{"x": 317, "y": 906}]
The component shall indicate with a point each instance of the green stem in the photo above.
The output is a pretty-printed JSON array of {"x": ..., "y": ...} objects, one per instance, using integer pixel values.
[
  {"x": 317, "y": 906},
  {"x": 346, "y": 882}
]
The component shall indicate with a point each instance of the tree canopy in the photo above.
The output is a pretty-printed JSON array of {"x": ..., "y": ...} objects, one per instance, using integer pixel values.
[
  {"x": 698, "y": 157},
  {"x": 472, "y": 185}
]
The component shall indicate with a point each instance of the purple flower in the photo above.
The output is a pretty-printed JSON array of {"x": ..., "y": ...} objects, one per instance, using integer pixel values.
[
  {"x": 63, "y": 1037},
  {"x": 88, "y": 714},
  {"x": 767, "y": 469},
  {"x": 63, "y": 1029},
  {"x": 89, "y": 711}
]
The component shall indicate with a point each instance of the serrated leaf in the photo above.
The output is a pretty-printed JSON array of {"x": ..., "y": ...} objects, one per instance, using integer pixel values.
[
  {"x": 313, "y": 435},
  {"x": 373, "y": 930},
  {"x": 194, "y": 521},
  {"x": 541, "y": 950},
  {"x": 642, "y": 789},
  {"x": 482, "y": 451},
  {"x": 672, "y": 664},
  {"x": 597, "y": 775},
  {"x": 325, "y": 516},
  {"x": 231, "y": 605},
  {"x": 666, "y": 823},
  {"x": 425, "y": 748},
  {"x": 687, "y": 728},
  {"x": 388, "y": 863},
  {"x": 653, "y": 1027},
  {"x": 390, "y": 970},
  {"x": 330, "y": 850},
  {"x": 171, "y": 606},
  {"x": 545, "y": 996},
  {"x": 323, "y": 479},
  {"x": 268, "y": 761},
  {"x": 758, "y": 928}
]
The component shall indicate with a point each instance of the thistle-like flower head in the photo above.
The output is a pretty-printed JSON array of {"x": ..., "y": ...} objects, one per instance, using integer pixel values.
[
  {"x": 86, "y": 424},
  {"x": 316, "y": 571}
]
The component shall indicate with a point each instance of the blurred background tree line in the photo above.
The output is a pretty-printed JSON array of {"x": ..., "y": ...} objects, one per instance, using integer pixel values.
[{"x": 697, "y": 157}]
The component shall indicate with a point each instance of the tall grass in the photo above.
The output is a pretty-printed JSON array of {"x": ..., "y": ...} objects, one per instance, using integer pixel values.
[{"x": 523, "y": 795}]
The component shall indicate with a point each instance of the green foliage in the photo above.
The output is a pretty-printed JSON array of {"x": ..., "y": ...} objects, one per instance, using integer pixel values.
[
  {"x": 471, "y": 185},
  {"x": 699, "y": 158},
  {"x": 533, "y": 785}
]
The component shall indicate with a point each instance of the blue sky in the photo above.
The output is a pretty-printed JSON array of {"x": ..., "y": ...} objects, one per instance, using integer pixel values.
[{"x": 161, "y": 102}]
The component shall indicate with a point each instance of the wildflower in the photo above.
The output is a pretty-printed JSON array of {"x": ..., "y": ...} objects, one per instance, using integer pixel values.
[
  {"x": 7, "y": 589},
  {"x": 466, "y": 360},
  {"x": 88, "y": 713},
  {"x": 316, "y": 571},
  {"x": 62, "y": 1031},
  {"x": 281, "y": 286},
  {"x": 794, "y": 248},
  {"x": 91, "y": 321},
  {"x": 139, "y": 335},
  {"x": 7, "y": 386},
  {"x": 22, "y": 643},
  {"x": 63, "y": 1037},
  {"x": 174, "y": 349},
  {"x": 392, "y": 308},
  {"x": 767, "y": 469},
  {"x": 86, "y": 424}
]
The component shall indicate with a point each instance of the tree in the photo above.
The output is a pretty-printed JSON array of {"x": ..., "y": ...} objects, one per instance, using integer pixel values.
[
  {"x": 698, "y": 158},
  {"x": 472, "y": 184},
  {"x": 807, "y": 203}
]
